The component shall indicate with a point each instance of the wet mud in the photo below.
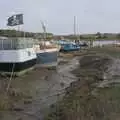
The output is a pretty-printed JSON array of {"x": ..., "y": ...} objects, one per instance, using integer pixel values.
[{"x": 43, "y": 88}]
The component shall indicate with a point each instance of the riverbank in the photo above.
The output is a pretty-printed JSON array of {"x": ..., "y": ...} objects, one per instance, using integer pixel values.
[
  {"x": 73, "y": 84},
  {"x": 30, "y": 96},
  {"x": 95, "y": 94}
]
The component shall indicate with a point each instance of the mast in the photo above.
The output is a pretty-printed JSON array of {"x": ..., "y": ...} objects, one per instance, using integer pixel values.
[
  {"x": 74, "y": 25},
  {"x": 44, "y": 32},
  {"x": 75, "y": 32}
]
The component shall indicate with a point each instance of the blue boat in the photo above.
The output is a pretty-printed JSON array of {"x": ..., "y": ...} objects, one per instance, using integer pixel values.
[
  {"x": 60, "y": 42},
  {"x": 69, "y": 47}
]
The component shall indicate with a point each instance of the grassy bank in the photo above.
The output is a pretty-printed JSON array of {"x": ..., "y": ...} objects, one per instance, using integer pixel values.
[
  {"x": 108, "y": 50},
  {"x": 82, "y": 101}
]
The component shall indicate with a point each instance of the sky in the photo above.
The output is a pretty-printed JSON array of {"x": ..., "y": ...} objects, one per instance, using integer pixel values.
[{"x": 58, "y": 15}]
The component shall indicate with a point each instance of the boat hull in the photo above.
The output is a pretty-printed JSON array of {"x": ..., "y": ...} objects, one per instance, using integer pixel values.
[
  {"x": 17, "y": 60},
  {"x": 17, "y": 67},
  {"x": 47, "y": 58},
  {"x": 67, "y": 48}
]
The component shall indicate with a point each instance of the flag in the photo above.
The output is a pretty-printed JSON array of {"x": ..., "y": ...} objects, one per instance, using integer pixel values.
[{"x": 15, "y": 20}]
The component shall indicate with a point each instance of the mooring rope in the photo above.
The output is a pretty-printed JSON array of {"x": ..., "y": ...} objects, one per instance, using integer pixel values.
[{"x": 11, "y": 76}]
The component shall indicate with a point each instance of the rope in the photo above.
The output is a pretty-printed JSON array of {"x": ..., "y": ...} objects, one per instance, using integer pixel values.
[{"x": 11, "y": 76}]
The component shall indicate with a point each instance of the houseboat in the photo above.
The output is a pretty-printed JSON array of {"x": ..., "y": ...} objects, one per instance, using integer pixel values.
[{"x": 16, "y": 55}]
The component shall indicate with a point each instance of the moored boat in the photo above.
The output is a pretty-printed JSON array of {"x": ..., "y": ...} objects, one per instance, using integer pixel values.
[
  {"x": 47, "y": 54},
  {"x": 56, "y": 43},
  {"x": 70, "y": 47},
  {"x": 67, "y": 45},
  {"x": 16, "y": 55}
]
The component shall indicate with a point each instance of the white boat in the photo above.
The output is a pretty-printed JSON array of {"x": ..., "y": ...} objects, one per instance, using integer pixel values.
[{"x": 16, "y": 55}]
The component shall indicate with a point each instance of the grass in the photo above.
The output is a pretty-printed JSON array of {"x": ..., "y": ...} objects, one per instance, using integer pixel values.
[
  {"x": 79, "y": 103},
  {"x": 111, "y": 93},
  {"x": 109, "y": 50},
  {"x": 5, "y": 103}
]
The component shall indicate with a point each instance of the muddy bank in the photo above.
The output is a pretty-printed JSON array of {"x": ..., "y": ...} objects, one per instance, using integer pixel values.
[
  {"x": 79, "y": 102},
  {"x": 75, "y": 80},
  {"x": 31, "y": 95}
]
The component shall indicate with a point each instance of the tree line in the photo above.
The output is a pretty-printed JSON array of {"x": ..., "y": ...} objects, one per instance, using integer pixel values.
[
  {"x": 98, "y": 35},
  {"x": 14, "y": 33}
]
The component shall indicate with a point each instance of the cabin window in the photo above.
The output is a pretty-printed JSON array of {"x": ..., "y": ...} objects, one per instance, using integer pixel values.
[
  {"x": 13, "y": 44},
  {"x": 1, "y": 45}
]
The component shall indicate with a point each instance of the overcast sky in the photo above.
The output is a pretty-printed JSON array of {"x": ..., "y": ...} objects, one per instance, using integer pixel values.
[{"x": 92, "y": 15}]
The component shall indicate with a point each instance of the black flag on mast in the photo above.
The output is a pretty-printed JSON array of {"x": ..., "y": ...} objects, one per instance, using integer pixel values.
[{"x": 15, "y": 20}]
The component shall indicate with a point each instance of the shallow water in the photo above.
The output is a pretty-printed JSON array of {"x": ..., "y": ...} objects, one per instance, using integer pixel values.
[{"x": 104, "y": 42}]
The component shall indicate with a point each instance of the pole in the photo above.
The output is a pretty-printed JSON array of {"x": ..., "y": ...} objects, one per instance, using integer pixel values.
[
  {"x": 25, "y": 44},
  {"x": 74, "y": 26},
  {"x": 13, "y": 67},
  {"x": 75, "y": 32},
  {"x": 24, "y": 34}
]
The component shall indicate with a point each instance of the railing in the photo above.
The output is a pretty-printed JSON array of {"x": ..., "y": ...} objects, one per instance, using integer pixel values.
[{"x": 13, "y": 44}]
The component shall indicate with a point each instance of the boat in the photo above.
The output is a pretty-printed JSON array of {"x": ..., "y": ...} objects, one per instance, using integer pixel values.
[
  {"x": 83, "y": 44},
  {"x": 16, "y": 55},
  {"x": 47, "y": 54},
  {"x": 77, "y": 40},
  {"x": 56, "y": 43},
  {"x": 69, "y": 47}
]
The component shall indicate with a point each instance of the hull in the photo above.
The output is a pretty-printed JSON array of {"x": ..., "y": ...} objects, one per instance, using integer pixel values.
[
  {"x": 17, "y": 60},
  {"x": 47, "y": 58},
  {"x": 70, "y": 47},
  {"x": 18, "y": 67}
]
